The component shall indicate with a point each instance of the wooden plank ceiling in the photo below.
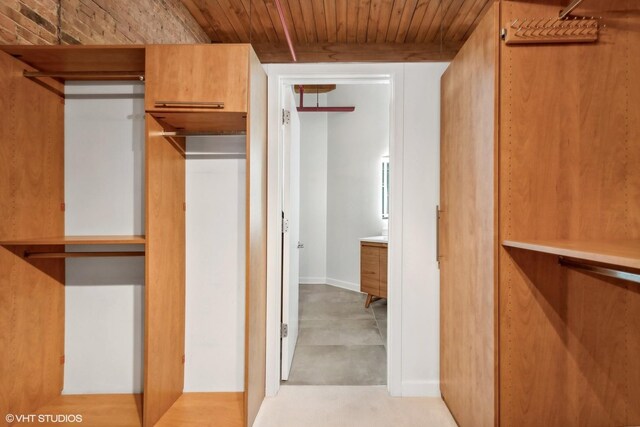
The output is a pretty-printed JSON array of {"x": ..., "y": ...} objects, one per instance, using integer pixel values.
[{"x": 343, "y": 30}]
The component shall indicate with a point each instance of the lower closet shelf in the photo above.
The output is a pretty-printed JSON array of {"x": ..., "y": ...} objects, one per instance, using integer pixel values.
[
  {"x": 97, "y": 410},
  {"x": 205, "y": 410}
]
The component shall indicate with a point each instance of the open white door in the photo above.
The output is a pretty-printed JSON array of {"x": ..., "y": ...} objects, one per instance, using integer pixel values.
[{"x": 291, "y": 231}]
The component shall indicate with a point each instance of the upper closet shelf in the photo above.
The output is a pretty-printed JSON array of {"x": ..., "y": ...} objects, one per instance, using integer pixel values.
[
  {"x": 76, "y": 240},
  {"x": 622, "y": 253},
  {"x": 83, "y": 62}
]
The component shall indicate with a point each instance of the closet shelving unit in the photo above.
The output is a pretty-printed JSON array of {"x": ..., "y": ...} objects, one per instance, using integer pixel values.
[
  {"x": 189, "y": 89},
  {"x": 539, "y": 228}
]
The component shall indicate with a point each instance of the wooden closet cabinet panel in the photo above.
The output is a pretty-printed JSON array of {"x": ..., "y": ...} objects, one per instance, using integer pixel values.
[
  {"x": 191, "y": 77},
  {"x": 31, "y": 194},
  {"x": 539, "y": 182},
  {"x": 165, "y": 273},
  {"x": 369, "y": 269}
]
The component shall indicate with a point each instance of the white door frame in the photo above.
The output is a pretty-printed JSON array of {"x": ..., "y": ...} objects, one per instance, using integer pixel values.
[{"x": 279, "y": 77}]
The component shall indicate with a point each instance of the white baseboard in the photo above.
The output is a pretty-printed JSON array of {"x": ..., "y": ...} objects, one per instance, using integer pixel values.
[
  {"x": 421, "y": 388},
  {"x": 313, "y": 280},
  {"x": 342, "y": 284}
]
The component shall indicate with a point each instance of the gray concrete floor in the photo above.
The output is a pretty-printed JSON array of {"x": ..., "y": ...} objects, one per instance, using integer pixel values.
[{"x": 340, "y": 342}]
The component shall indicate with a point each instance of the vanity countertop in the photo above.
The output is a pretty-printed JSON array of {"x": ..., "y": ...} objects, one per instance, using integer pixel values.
[{"x": 375, "y": 239}]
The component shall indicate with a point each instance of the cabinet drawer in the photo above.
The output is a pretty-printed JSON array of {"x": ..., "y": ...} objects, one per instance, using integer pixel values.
[
  {"x": 369, "y": 286},
  {"x": 198, "y": 78},
  {"x": 369, "y": 269},
  {"x": 383, "y": 272}
]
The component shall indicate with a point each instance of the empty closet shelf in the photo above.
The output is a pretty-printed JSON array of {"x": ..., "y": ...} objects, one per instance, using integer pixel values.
[
  {"x": 96, "y": 410},
  {"x": 622, "y": 253},
  {"x": 76, "y": 240}
]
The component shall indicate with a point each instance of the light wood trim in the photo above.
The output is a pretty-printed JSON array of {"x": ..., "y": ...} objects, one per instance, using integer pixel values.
[
  {"x": 256, "y": 250},
  {"x": 468, "y": 233},
  {"x": 623, "y": 253},
  {"x": 31, "y": 194},
  {"x": 76, "y": 240},
  {"x": 205, "y": 410},
  {"x": 97, "y": 410},
  {"x": 165, "y": 274}
]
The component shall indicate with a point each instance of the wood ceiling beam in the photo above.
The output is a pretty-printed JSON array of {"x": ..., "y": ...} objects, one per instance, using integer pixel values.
[{"x": 358, "y": 52}]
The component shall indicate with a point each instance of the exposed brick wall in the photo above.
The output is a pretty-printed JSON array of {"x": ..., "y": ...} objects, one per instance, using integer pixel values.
[{"x": 97, "y": 22}]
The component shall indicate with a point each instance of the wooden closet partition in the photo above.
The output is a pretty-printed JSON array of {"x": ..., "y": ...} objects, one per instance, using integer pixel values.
[
  {"x": 568, "y": 194},
  {"x": 469, "y": 233},
  {"x": 31, "y": 206},
  {"x": 256, "y": 270},
  {"x": 164, "y": 271}
]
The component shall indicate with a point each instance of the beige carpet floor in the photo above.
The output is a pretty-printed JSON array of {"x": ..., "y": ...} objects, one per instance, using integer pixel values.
[{"x": 350, "y": 406}]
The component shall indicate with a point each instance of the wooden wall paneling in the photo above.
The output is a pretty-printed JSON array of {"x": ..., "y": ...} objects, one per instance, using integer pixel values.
[
  {"x": 31, "y": 194},
  {"x": 197, "y": 73},
  {"x": 579, "y": 125},
  {"x": 468, "y": 228},
  {"x": 165, "y": 273},
  {"x": 256, "y": 270}
]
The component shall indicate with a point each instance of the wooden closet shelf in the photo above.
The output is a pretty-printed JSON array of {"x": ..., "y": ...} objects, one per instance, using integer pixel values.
[
  {"x": 63, "y": 59},
  {"x": 98, "y": 410},
  {"x": 76, "y": 240},
  {"x": 623, "y": 253},
  {"x": 200, "y": 409},
  {"x": 216, "y": 121}
]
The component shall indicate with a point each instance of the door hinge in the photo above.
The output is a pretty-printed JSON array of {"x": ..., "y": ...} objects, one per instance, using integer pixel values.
[
  {"x": 285, "y": 225},
  {"x": 286, "y": 116},
  {"x": 284, "y": 330}
]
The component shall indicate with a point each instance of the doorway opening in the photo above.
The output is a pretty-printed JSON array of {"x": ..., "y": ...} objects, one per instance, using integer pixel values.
[{"x": 335, "y": 208}]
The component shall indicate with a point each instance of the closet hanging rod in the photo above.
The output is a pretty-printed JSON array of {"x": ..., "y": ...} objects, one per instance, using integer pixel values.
[
  {"x": 567, "y": 10},
  {"x": 205, "y": 134},
  {"x": 98, "y": 75},
  {"x": 604, "y": 271},
  {"x": 52, "y": 255}
]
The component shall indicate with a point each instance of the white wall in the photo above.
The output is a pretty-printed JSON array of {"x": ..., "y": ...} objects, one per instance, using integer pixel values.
[
  {"x": 104, "y": 172},
  {"x": 313, "y": 195},
  {"x": 413, "y": 363},
  {"x": 104, "y": 191},
  {"x": 421, "y": 187},
  {"x": 357, "y": 143},
  {"x": 215, "y": 305}
]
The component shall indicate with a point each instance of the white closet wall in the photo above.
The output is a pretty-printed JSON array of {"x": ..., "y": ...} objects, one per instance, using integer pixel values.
[
  {"x": 104, "y": 194},
  {"x": 357, "y": 143},
  {"x": 313, "y": 195},
  {"x": 215, "y": 303}
]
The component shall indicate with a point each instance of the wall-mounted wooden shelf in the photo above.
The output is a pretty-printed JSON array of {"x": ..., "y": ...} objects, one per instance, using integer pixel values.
[
  {"x": 623, "y": 253},
  {"x": 76, "y": 240}
]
